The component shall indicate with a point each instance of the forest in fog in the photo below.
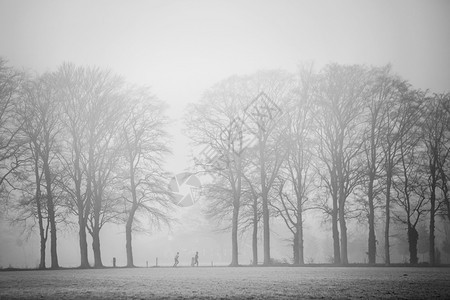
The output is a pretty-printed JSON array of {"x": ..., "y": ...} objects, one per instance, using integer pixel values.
[{"x": 82, "y": 147}]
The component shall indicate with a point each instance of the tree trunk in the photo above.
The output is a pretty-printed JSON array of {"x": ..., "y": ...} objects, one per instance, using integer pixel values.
[
  {"x": 234, "y": 236},
  {"x": 413, "y": 237},
  {"x": 83, "y": 206},
  {"x": 299, "y": 225},
  {"x": 134, "y": 207},
  {"x": 343, "y": 228},
  {"x": 445, "y": 189},
  {"x": 334, "y": 221},
  {"x": 387, "y": 258},
  {"x": 266, "y": 230},
  {"x": 38, "y": 198},
  {"x": 96, "y": 248},
  {"x": 128, "y": 235},
  {"x": 255, "y": 232},
  {"x": 96, "y": 233},
  {"x": 83, "y": 242},
  {"x": 42, "y": 259},
  {"x": 51, "y": 215},
  {"x": 372, "y": 247},
  {"x": 42, "y": 235},
  {"x": 433, "y": 185},
  {"x": 342, "y": 198},
  {"x": 301, "y": 259},
  {"x": 432, "y": 225},
  {"x": 53, "y": 245},
  {"x": 265, "y": 204},
  {"x": 295, "y": 249}
]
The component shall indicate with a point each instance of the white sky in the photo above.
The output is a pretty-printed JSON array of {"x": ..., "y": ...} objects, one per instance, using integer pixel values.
[{"x": 180, "y": 48}]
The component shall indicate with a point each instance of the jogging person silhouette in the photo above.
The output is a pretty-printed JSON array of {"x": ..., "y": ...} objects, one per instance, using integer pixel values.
[
  {"x": 176, "y": 259},
  {"x": 196, "y": 259}
]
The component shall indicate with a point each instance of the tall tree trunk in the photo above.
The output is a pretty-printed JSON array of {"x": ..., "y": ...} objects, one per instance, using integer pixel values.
[
  {"x": 83, "y": 206},
  {"x": 343, "y": 229},
  {"x": 134, "y": 207},
  {"x": 42, "y": 233},
  {"x": 96, "y": 233},
  {"x": 128, "y": 235},
  {"x": 432, "y": 225},
  {"x": 299, "y": 224},
  {"x": 234, "y": 236},
  {"x": 342, "y": 199},
  {"x": 255, "y": 231},
  {"x": 266, "y": 230},
  {"x": 372, "y": 247},
  {"x": 387, "y": 258},
  {"x": 433, "y": 185},
  {"x": 444, "y": 187},
  {"x": 299, "y": 227},
  {"x": 413, "y": 237},
  {"x": 96, "y": 248},
  {"x": 82, "y": 239},
  {"x": 334, "y": 225},
  {"x": 43, "y": 239},
  {"x": 90, "y": 194},
  {"x": 295, "y": 249},
  {"x": 265, "y": 204},
  {"x": 42, "y": 252},
  {"x": 38, "y": 197},
  {"x": 51, "y": 217}
]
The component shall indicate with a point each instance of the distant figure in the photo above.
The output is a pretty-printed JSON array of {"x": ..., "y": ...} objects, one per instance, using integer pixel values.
[
  {"x": 196, "y": 259},
  {"x": 176, "y": 259}
]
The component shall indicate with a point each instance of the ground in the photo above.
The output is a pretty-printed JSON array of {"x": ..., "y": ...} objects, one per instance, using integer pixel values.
[{"x": 226, "y": 282}]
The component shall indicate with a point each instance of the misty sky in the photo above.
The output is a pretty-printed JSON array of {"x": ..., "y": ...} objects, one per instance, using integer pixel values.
[{"x": 180, "y": 48}]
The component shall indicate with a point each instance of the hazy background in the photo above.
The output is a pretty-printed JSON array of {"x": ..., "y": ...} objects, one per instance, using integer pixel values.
[{"x": 180, "y": 48}]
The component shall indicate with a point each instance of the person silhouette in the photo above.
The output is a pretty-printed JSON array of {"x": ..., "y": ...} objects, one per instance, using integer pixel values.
[
  {"x": 176, "y": 259},
  {"x": 196, "y": 259}
]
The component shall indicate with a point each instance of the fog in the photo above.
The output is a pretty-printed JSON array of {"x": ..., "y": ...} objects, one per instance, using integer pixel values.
[
  {"x": 182, "y": 48},
  {"x": 192, "y": 232}
]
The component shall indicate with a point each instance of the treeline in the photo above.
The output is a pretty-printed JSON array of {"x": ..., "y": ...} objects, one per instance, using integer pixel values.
[
  {"x": 80, "y": 145},
  {"x": 353, "y": 142}
]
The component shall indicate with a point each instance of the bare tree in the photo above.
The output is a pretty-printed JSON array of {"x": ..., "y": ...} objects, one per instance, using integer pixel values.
[
  {"x": 33, "y": 203},
  {"x": 435, "y": 133},
  {"x": 39, "y": 113},
  {"x": 216, "y": 127},
  {"x": 410, "y": 184},
  {"x": 251, "y": 215},
  {"x": 272, "y": 89},
  {"x": 74, "y": 86},
  {"x": 444, "y": 159},
  {"x": 381, "y": 91},
  {"x": 104, "y": 111},
  {"x": 340, "y": 96},
  {"x": 92, "y": 110},
  {"x": 145, "y": 145},
  {"x": 398, "y": 122},
  {"x": 10, "y": 143},
  {"x": 297, "y": 175}
]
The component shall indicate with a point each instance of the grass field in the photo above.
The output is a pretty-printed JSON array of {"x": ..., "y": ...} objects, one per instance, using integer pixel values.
[{"x": 225, "y": 282}]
